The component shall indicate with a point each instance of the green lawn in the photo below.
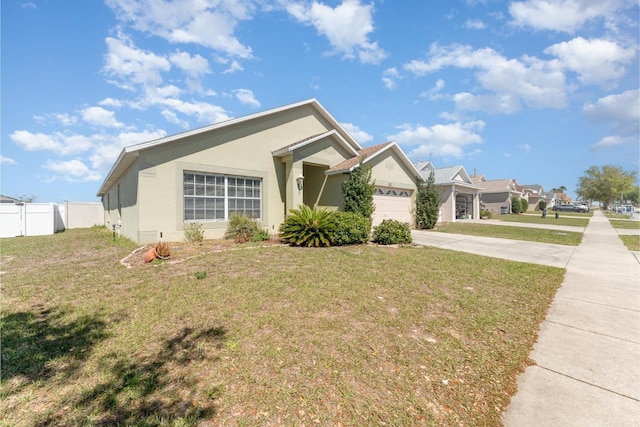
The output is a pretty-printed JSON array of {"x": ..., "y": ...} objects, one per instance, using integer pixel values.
[
  {"x": 510, "y": 232},
  {"x": 262, "y": 335},
  {"x": 572, "y": 219},
  {"x": 625, "y": 224},
  {"x": 631, "y": 242}
]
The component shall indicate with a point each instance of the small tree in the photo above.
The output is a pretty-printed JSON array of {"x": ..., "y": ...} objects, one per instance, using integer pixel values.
[
  {"x": 427, "y": 203},
  {"x": 515, "y": 205},
  {"x": 542, "y": 205},
  {"x": 358, "y": 191},
  {"x": 524, "y": 205}
]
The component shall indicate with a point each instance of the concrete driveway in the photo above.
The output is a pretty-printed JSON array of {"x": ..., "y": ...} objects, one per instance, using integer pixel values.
[{"x": 514, "y": 250}]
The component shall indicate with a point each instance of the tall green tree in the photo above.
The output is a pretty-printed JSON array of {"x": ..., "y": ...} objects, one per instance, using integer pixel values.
[
  {"x": 427, "y": 203},
  {"x": 605, "y": 184},
  {"x": 358, "y": 191}
]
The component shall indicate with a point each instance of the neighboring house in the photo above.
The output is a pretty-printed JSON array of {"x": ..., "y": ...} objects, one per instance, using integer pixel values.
[
  {"x": 459, "y": 195},
  {"x": 496, "y": 194},
  {"x": 535, "y": 194},
  {"x": 560, "y": 199},
  {"x": 7, "y": 199},
  {"x": 261, "y": 165}
]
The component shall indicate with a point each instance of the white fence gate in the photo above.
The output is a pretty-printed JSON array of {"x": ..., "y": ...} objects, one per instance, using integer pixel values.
[{"x": 41, "y": 219}]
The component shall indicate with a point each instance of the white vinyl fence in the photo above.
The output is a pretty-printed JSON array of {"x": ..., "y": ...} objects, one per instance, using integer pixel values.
[{"x": 41, "y": 219}]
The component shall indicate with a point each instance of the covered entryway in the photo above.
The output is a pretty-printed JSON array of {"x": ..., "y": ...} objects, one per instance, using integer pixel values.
[
  {"x": 391, "y": 203},
  {"x": 464, "y": 206}
]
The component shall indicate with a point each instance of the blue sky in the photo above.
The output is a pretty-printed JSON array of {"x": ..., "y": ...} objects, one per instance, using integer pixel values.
[{"x": 536, "y": 90}]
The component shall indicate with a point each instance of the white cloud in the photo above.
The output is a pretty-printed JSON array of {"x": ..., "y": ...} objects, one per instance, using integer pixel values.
[
  {"x": 565, "y": 15},
  {"x": 347, "y": 27},
  {"x": 209, "y": 23},
  {"x": 528, "y": 80},
  {"x": 596, "y": 61},
  {"x": 474, "y": 24},
  {"x": 128, "y": 67},
  {"x": 193, "y": 66},
  {"x": 72, "y": 171},
  {"x": 245, "y": 96},
  {"x": 525, "y": 147},
  {"x": 446, "y": 140},
  {"x": 100, "y": 117},
  {"x": 613, "y": 141},
  {"x": 66, "y": 119},
  {"x": 57, "y": 142},
  {"x": 110, "y": 102},
  {"x": 357, "y": 133},
  {"x": 28, "y": 5},
  {"x": 434, "y": 92},
  {"x": 106, "y": 148},
  {"x": 7, "y": 160},
  {"x": 621, "y": 110},
  {"x": 233, "y": 67},
  {"x": 390, "y": 76}
]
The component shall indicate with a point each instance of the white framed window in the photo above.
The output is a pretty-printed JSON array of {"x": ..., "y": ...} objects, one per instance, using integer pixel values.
[{"x": 210, "y": 197}]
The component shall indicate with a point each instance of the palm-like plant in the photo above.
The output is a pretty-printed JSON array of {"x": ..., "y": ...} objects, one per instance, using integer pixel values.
[{"x": 307, "y": 226}]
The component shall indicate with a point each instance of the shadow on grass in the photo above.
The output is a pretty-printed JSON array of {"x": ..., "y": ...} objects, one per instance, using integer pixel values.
[
  {"x": 41, "y": 344},
  {"x": 149, "y": 391}
]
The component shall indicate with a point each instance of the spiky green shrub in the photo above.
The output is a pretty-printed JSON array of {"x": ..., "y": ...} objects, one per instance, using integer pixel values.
[
  {"x": 427, "y": 203},
  {"x": 350, "y": 229},
  {"x": 392, "y": 232},
  {"x": 358, "y": 190},
  {"x": 308, "y": 227},
  {"x": 193, "y": 232},
  {"x": 243, "y": 228}
]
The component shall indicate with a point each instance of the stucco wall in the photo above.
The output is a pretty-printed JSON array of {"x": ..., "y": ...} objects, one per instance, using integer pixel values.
[{"x": 244, "y": 150}]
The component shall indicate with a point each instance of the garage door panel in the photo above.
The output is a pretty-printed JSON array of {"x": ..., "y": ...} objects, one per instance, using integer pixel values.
[{"x": 397, "y": 206}]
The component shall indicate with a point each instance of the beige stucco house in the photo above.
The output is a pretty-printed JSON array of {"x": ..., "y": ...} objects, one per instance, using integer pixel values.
[
  {"x": 496, "y": 194},
  {"x": 459, "y": 196},
  {"x": 262, "y": 165}
]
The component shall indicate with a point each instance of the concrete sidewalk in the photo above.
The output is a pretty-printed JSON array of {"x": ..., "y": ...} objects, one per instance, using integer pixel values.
[{"x": 587, "y": 357}]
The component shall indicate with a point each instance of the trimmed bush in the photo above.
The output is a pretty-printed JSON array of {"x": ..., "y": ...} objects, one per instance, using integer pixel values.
[
  {"x": 524, "y": 205},
  {"x": 308, "y": 227},
  {"x": 392, "y": 232},
  {"x": 350, "y": 229},
  {"x": 243, "y": 228},
  {"x": 485, "y": 213},
  {"x": 515, "y": 205},
  {"x": 542, "y": 205}
]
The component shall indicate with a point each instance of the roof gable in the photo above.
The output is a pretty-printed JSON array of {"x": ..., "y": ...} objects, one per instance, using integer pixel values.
[
  {"x": 129, "y": 154},
  {"x": 369, "y": 153}
]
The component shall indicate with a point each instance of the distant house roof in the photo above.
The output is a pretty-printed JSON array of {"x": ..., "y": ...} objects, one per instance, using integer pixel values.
[
  {"x": 535, "y": 188},
  {"x": 7, "y": 199},
  {"x": 499, "y": 186},
  {"x": 447, "y": 175},
  {"x": 477, "y": 179}
]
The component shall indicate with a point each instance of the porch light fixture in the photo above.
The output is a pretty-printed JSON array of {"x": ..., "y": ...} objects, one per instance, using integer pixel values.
[{"x": 300, "y": 181}]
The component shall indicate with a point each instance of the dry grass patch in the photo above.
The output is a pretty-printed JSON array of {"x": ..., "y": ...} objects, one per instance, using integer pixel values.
[{"x": 271, "y": 335}]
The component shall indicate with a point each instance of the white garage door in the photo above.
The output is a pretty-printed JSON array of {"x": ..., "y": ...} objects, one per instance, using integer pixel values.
[{"x": 392, "y": 203}]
